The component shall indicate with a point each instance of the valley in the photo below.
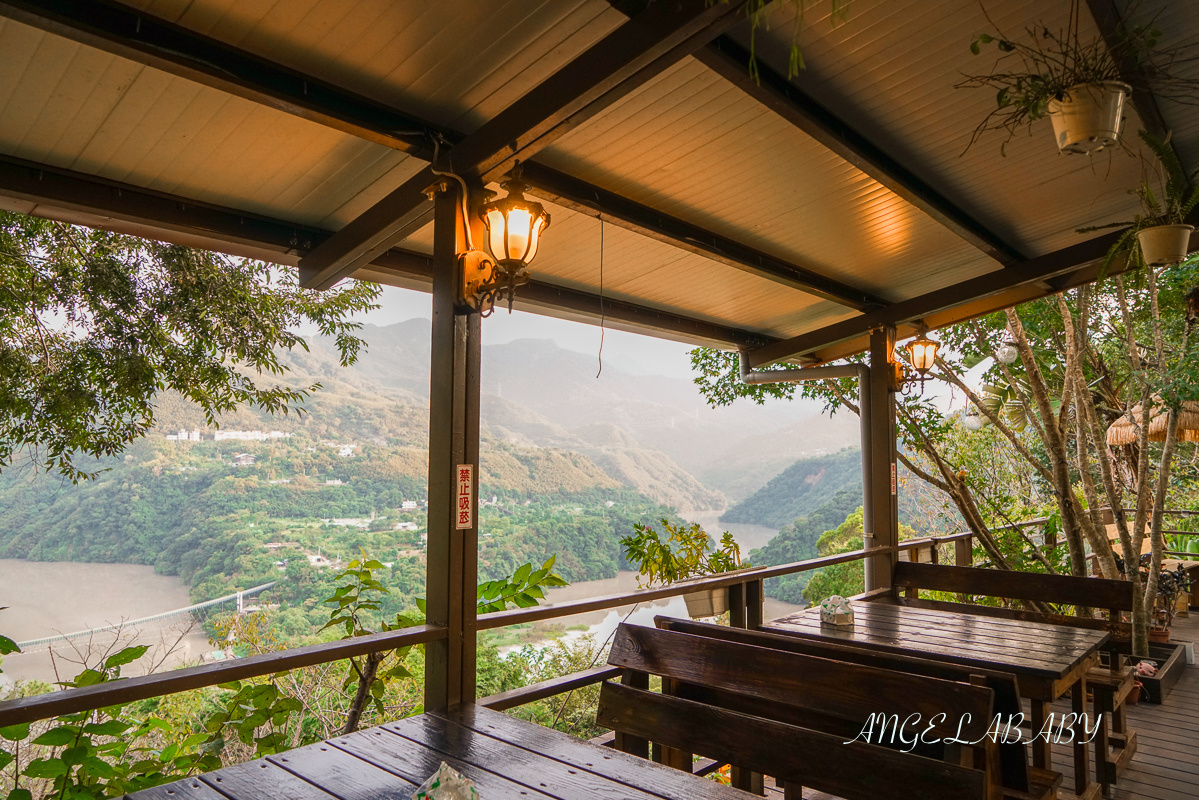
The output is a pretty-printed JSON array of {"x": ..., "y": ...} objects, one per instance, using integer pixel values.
[{"x": 569, "y": 464}]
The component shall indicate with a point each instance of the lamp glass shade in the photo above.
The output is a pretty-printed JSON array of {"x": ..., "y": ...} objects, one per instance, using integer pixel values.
[
  {"x": 514, "y": 227},
  {"x": 972, "y": 420},
  {"x": 497, "y": 228},
  {"x": 1006, "y": 353},
  {"x": 923, "y": 353}
]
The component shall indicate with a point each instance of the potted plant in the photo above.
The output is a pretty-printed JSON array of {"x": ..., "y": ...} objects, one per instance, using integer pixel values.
[
  {"x": 1079, "y": 84},
  {"x": 1159, "y": 235},
  {"x": 686, "y": 553},
  {"x": 1170, "y": 586}
]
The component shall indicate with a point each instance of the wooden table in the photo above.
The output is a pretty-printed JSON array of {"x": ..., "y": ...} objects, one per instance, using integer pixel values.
[
  {"x": 1048, "y": 660},
  {"x": 508, "y": 759}
]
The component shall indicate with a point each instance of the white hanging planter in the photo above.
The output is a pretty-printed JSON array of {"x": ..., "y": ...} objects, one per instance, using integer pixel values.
[
  {"x": 707, "y": 602},
  {"x": 1165, "y": 244},
  {"x": 1088, "y": 117}
]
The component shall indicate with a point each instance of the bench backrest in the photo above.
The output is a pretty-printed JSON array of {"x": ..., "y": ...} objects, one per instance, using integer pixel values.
[
  {"x": 833, "y": 689},
  {"x": 1003, "y": 684},
  {"x": 1062, "y": 589},
  {"x": 796, "y": 755},
  {"x": 1013, "y": 758}
]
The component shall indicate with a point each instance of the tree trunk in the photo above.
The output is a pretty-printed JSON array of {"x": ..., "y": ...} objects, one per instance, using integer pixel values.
[
  {"x": 1055, "y": 448},
  {"x": 366, "y": 678}
]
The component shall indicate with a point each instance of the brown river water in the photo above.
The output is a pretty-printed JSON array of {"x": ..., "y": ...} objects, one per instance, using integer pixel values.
[
  {"x": 45, "y": 598},
  {"x": 48, "y": 598}
]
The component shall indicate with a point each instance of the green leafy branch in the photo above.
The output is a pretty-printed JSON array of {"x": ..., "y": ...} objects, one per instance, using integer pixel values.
[
  {"x": 685, "y": 553},
  {"x": 351, "y": 601},
  {"x": 522, "y": 589},
  {"x": 102, "y": 753}
]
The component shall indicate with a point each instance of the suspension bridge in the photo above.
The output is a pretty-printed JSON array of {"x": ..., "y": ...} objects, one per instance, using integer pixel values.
[{"x": 238, "y": 597}]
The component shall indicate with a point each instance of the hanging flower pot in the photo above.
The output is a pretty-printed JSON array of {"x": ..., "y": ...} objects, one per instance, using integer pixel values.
[
  {"x": 1165, "y": 244},
  {"x": 707, "y": 602},
  {"x": 1087, "y": 117}
]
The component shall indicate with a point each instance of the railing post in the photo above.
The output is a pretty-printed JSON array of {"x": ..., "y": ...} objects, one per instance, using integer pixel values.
[
  {"x": 963, "y": 552},
  {"x": 745, "y": 611},
  {"x": 452, "y": 555},
  {"x": 737, "y": 605},
  {"x": 745, "y": 604},
  {"x": 755, "y": 596}
]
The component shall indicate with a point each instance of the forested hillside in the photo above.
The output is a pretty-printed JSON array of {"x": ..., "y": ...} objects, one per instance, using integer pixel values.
[
  {"x": 799, "y": 541},
  {"x": 801, "y": 489},
  {"x": 184, "y": 508}
]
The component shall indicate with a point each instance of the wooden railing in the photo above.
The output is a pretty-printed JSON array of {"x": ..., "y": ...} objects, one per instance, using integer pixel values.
[
  {"x": 70, "y": 701},
  {"x": 733, "y": 581},
  {"x": 127, "y": 690}
]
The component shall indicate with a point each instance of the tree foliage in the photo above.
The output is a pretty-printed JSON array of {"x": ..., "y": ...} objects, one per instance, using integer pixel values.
[
  {"x": 94, "y": 325},
  {"x": 1121, "y": 350}
]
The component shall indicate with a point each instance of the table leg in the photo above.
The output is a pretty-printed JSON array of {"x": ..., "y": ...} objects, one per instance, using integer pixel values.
[
  {"x": 1042, "y": 755},
  {"x": 1078, "y": 704},
  {"x": 747, "y": 781}
]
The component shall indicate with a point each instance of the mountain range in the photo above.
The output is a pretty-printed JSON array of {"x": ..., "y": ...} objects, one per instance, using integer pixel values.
[{"x": 655, "y": 434}]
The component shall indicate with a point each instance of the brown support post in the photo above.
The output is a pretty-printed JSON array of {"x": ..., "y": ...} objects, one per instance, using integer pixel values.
[
  {"x": 452, "y": 554},
  {"x": 963, "y": 552},
  {"x": 754, "y": 598},
  {"x": 745, "y": 611},
  {"x": 883, "y": 500},
  {"x": 736, "y": 605}
]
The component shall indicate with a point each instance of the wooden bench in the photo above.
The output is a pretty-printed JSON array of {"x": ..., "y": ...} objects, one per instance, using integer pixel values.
[
  {"x": 789, "y": 715},
  {"x": 1020, "y": 781},
  {"x": 1114, "y": 744}
]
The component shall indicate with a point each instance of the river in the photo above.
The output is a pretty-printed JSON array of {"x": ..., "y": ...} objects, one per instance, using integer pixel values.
[
  {"x": 46, "y": 598},
  {"x": 600, "y": 624}
]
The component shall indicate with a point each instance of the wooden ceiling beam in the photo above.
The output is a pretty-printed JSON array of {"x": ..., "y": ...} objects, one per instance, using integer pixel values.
[
  {"x": 130, "y": 209},
  {"x": 731, "y": 61},
  {"x": 131, "y": 34},
  {"x": 565, "y": 190},
  {"x": 653, "y": 39},
  {"x": 145, "y": 39},
  {"x": 1031, "y": 280}
]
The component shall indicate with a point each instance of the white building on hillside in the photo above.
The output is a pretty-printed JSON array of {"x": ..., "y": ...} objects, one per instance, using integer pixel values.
[{"x": 249, "y": 436}]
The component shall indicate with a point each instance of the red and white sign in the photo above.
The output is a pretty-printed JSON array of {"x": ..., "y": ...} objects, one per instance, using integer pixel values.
[{"x": 466, "y": 496}]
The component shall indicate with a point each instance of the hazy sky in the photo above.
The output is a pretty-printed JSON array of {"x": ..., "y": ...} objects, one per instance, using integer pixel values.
[{"x": 643, "y": 355}]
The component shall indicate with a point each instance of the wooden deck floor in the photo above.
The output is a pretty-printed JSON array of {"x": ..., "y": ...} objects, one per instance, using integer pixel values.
[{"x": 1166, "y": 766}]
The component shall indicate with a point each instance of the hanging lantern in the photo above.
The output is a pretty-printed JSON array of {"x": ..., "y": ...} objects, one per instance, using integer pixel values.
[
  {"x": 1007, "y": 353},
  {"x": 922, "y": 352},
  {"x": 514, "y": 227},
  {"x": 972, "y": 420}
]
